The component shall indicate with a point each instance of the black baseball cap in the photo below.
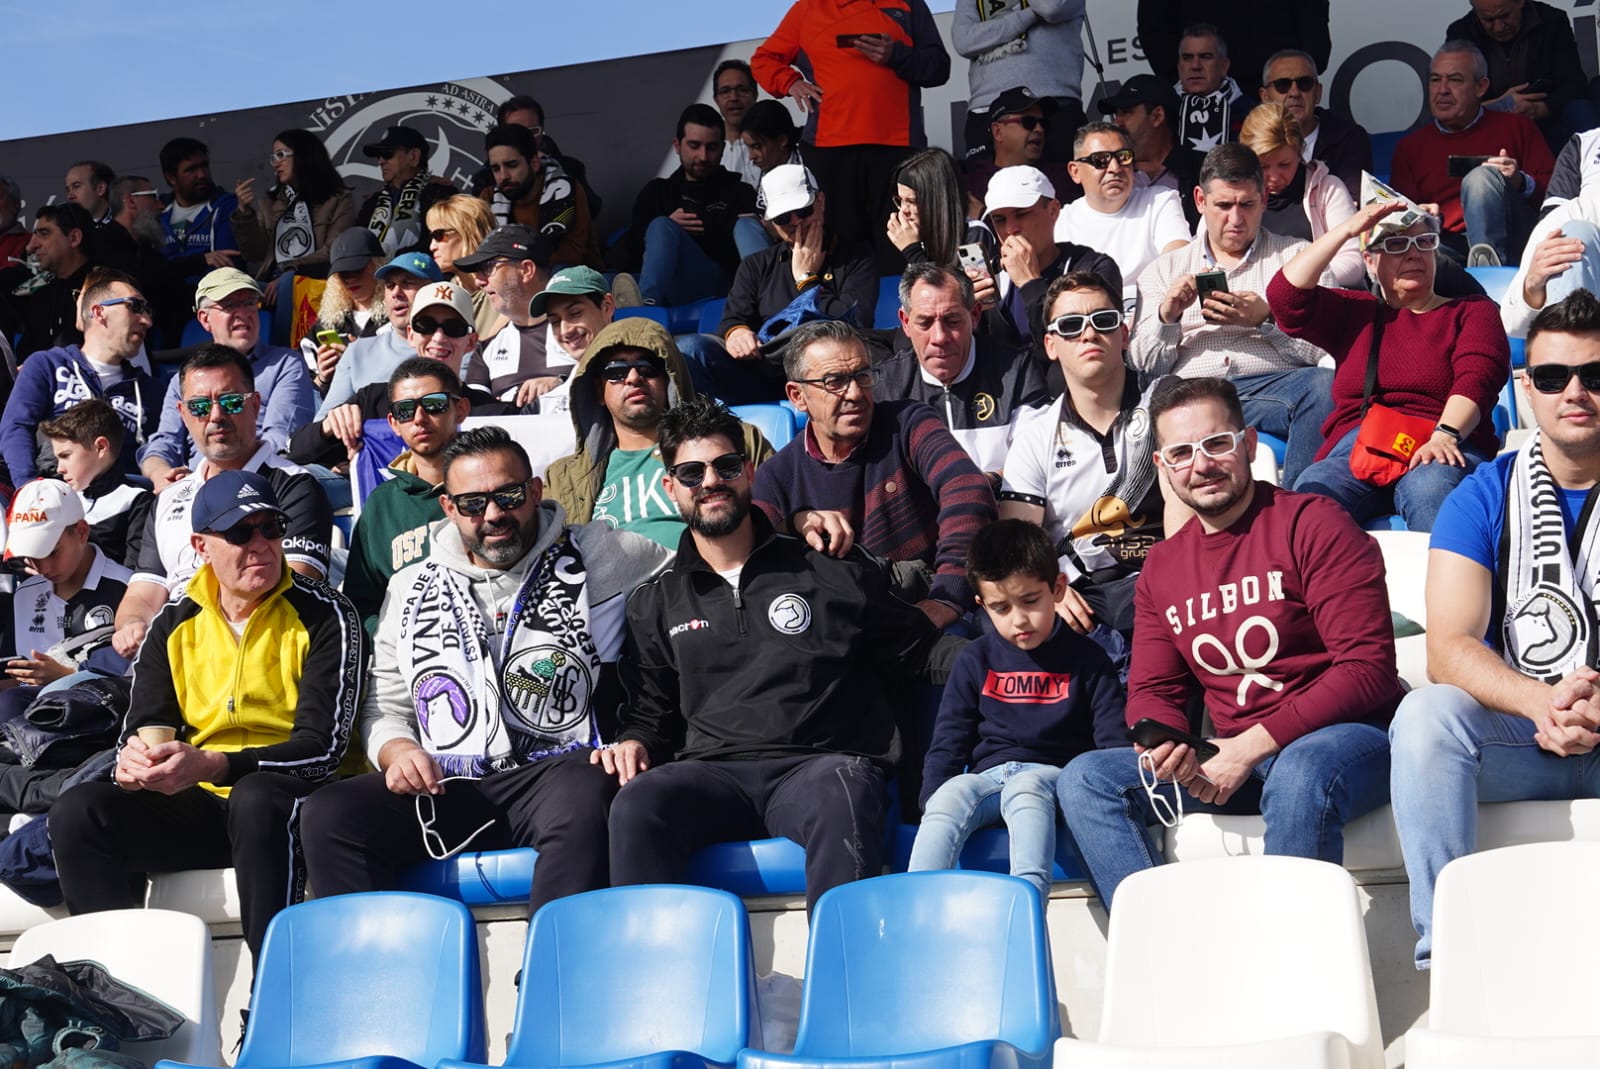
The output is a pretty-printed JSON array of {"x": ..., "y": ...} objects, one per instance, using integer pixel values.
[
  {"x": 395, "y": 137},
  {"x": 1144, "y": 89},
  {"x": 353, "y": 249},
  {"x": 510, "y": 242},
  {"x": 1016, "y": 100}
]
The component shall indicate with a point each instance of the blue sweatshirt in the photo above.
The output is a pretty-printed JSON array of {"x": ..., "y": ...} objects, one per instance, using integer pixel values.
[
  {"x": 287, "y": 402},
  {"x": 1046, "y": 705},
  {"x": 52, "y": 381}
]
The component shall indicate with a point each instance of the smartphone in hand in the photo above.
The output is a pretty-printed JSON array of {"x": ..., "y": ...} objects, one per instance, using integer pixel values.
[{"x": 1151, "y": 733}]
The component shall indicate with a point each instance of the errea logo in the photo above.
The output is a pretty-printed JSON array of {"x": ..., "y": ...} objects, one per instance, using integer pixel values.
[{"x": 690, "y": 625}]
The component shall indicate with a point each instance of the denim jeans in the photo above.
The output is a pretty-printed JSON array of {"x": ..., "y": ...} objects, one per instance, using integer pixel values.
[
  {"x": 1416, "y": 496},
  {"x": 1308, "y": 792},
  {"x": 1292, "y": 405},
  {"x": 1583, "y": 275},
  {"x": 676, "y": 270},
  {"x": 736, "y": 382},
  {"x": 1021, "y": 793},
  {"x": 1450, "y": 753},
  {"x": 1495, "y": 212}
]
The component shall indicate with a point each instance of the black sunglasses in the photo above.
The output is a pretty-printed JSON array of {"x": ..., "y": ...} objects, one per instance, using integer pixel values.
[
  {"x": 1070, "y": 326},
  {"x": 1101, "y": 160},
  {"x": 432, "y": 403},
  {"x": 617, "y": 371},
  {"x": 240, "y": 534},
  {"x": 1553, "y": 378},
  {"x": 440, "y": 234},
  {"x": 231, "y": 403},
  {"x": 1305, "y": 83},
  {"x": 453, "y": 328},
  {"x": 1027, "y": 122},
  {"x": 137, "y": 305},
  {"x": 798, "y": 213},
  {"x": 508, "y": 497},
  {"x": 691, "y": 473}
]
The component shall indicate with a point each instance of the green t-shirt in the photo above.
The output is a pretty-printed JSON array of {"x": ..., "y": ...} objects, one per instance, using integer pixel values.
[{"x": 633, "y": 499}]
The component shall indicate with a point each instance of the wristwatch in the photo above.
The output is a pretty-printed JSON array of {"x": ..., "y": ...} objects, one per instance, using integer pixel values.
[{"x": 1451, "y": 431}]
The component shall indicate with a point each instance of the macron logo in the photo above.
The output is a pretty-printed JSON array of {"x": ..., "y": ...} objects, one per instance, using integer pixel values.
[
  {"x": 1026, "y": 688},
  {"x": 693, "y": 625}
]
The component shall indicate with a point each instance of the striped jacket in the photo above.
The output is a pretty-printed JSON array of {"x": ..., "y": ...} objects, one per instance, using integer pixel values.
[{"x": 281, "y": 698}]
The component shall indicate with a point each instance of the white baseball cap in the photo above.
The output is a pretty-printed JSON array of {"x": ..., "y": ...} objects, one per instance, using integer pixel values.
[
  {"x": 443, "y": 295},
  {"x": 1016, "y": 187},
  {"x": 788, "y": 187},
  {"x": 40, "y": 514}
]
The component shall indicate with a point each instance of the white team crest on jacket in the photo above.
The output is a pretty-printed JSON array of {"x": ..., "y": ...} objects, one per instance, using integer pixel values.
[{"x": 789, "y": 614}]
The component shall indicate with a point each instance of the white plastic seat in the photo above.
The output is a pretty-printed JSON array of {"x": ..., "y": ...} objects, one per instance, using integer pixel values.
[
  {"x": 1284, "y": 956},
  {"x": 1502, "y": 992},
  {"x": 165, "y": 954},
  {"x": 1313, "y": 1050},
  {"x": 1405, "y": 562}
]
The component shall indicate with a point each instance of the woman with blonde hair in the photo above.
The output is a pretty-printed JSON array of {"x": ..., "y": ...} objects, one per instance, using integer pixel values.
[
  {"x": 1303, "y": 199},
  {"x": 456, "y": 227}
]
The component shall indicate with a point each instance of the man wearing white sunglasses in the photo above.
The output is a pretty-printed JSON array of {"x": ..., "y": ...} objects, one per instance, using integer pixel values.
[{"x": 1273, "y": 606}]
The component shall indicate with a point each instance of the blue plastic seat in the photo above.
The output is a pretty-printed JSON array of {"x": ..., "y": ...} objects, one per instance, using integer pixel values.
[
  {"x": 685, "y": 318},
  {"x": 1494, "y": 280},
  {"x": 1519, "y": 352},
  {"x": 925, "y": 969},
  {"x": 1391, "y": 522},
  {"x": 653, "y": 977},
  {"x": 193, "y": 334},
  {"x": 646, "y": 311},
  {"x": 887, "y": 315},
  {"x": 1278, "y": 446},
  {"x": 988, "y": 850},
  {"x": 711, "y": 316},
  {"x": 386, "y": 980},
  {"x": 774, "y": 421}
]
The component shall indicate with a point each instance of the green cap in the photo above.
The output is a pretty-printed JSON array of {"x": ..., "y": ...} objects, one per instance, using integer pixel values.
[{"x": 570, "y": 282}]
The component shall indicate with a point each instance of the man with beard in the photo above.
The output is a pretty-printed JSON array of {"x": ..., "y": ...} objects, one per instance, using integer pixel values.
[
  {"x": 1272, "y": 605},
  {"x": 131, "y": 241},
  {"x": 532, "y": 189},
  {"x": 396, "y": 212},
  {"x": 767, "y": 667},
  {"x": 691, "y": 228},
  {"x": 198, "y": 223},
  {"x": 494, "y": 669}
]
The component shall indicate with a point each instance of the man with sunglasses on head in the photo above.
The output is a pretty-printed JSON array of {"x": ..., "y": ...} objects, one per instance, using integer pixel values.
[
  {"x": 1083, "y": 468},
  {"x": 810, "y": 272},
  {"x": 228, "y": 305},
  {"x": 888, "y": 477},
  {"x": 116, "y": 318},
  {"x": 220, "y": 410},
  {"x": 493, "y": 674},
  {"x": 1130, "y": 222},
  {"x": 1270, "y": 605},
  {"x": 1290, "y": 78},
  {"x": 1514, "y": 709},
  {"x": 759, "y": 678},
  {"x": 1019, "y": 126},
  {"x": 440, "y": 328},
  {"x": 627, "y": 380},
  {"x": 426, "y": 407},
  {"x": 243, "y": 703}
]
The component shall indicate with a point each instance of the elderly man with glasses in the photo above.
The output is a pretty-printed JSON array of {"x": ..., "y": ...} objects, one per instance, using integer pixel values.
[
  {"x": 1290, "y": 78},
  {"x": 888, "y": 477},
  {"x": 243, "y": 702},
  {"x": 1270, "y": 604},
  {"x": 227, "y": 304},
  {"x": 493, "y": 673}
]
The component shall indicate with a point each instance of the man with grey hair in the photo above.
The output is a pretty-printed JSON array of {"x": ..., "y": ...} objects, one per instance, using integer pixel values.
[
  {"x": 1486, "y": 170},
  {"x": 976, "y": 383},
  {"x": 131, "y": 240},
  {"x": 888, "y": 477},
  {"x": 1290, "y": 78},
  {"x": 1212, "y": 106}
]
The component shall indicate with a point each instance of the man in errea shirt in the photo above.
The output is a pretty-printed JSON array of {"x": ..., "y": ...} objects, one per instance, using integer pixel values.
[
  {"x": 1273, "y": 605},
  {"x": 218, "y": 402}
]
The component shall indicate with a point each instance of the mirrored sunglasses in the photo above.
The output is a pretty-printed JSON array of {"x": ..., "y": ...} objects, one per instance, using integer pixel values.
[
  {"x": 231, "y": 404},
  {"x": 433, "y": 404},
  {"x": 508, "y": 497}
]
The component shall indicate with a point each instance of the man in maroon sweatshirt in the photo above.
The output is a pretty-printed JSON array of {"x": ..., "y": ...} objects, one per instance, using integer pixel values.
[{"x": 1273, "y": 606}]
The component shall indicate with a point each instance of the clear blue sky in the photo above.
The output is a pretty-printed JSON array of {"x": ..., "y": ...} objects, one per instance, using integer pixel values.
[{"x": 96, "y": 63}]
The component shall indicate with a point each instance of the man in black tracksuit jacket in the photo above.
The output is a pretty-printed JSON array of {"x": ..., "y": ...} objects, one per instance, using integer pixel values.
[{"x": 767, "y": 692}]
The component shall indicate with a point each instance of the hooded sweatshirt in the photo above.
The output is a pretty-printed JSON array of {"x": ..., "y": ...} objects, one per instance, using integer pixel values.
[
  {"x": 614, "y": 563},
  {"x": 577, "y": 480},
  {"x": 52, "y": 381}
]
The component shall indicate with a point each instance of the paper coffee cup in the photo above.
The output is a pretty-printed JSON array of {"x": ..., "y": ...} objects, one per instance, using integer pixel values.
[{"x": 155, "y": 736}]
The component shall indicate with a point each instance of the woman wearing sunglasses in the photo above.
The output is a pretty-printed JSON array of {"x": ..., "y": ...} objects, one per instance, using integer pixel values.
[
  {"x": 1435, "y": 363},
  {"x": 456, "y": 227},
  {"x": 293, "y": 224},
  {"x": 1303, "y": 199}
]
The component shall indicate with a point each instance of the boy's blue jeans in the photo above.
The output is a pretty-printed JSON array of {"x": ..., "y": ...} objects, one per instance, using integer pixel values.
[{"x": 1023, "y": 794}]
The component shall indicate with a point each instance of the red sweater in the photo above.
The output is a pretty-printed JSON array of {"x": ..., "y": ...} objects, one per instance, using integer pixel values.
[
  {"x": 1283, "y": 620},
  {"x": 1458, "y": 348},
  {"x": 1421, "y": 166}
]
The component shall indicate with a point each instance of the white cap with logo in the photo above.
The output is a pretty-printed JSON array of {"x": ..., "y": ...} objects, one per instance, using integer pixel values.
[{"x": 40, "y": 514}]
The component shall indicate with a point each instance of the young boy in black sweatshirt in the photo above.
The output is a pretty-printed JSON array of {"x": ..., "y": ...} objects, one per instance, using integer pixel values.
[{"x": 87, "y": 441}]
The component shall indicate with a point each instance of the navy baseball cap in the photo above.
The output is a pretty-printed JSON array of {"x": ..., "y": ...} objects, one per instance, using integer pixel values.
[
  {"x": 419, "y": 264},
  {"x": 230, "y": 496}
]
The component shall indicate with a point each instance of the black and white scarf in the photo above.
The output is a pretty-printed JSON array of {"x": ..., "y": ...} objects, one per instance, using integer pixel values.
[
  {"x": 481, "y": 709},
  {"x": 388, "y": 211},
  {"x": 1206, "y": 117},
  {"x": 293, "y": 238},
  {"x": 1548, "y": 627}
]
